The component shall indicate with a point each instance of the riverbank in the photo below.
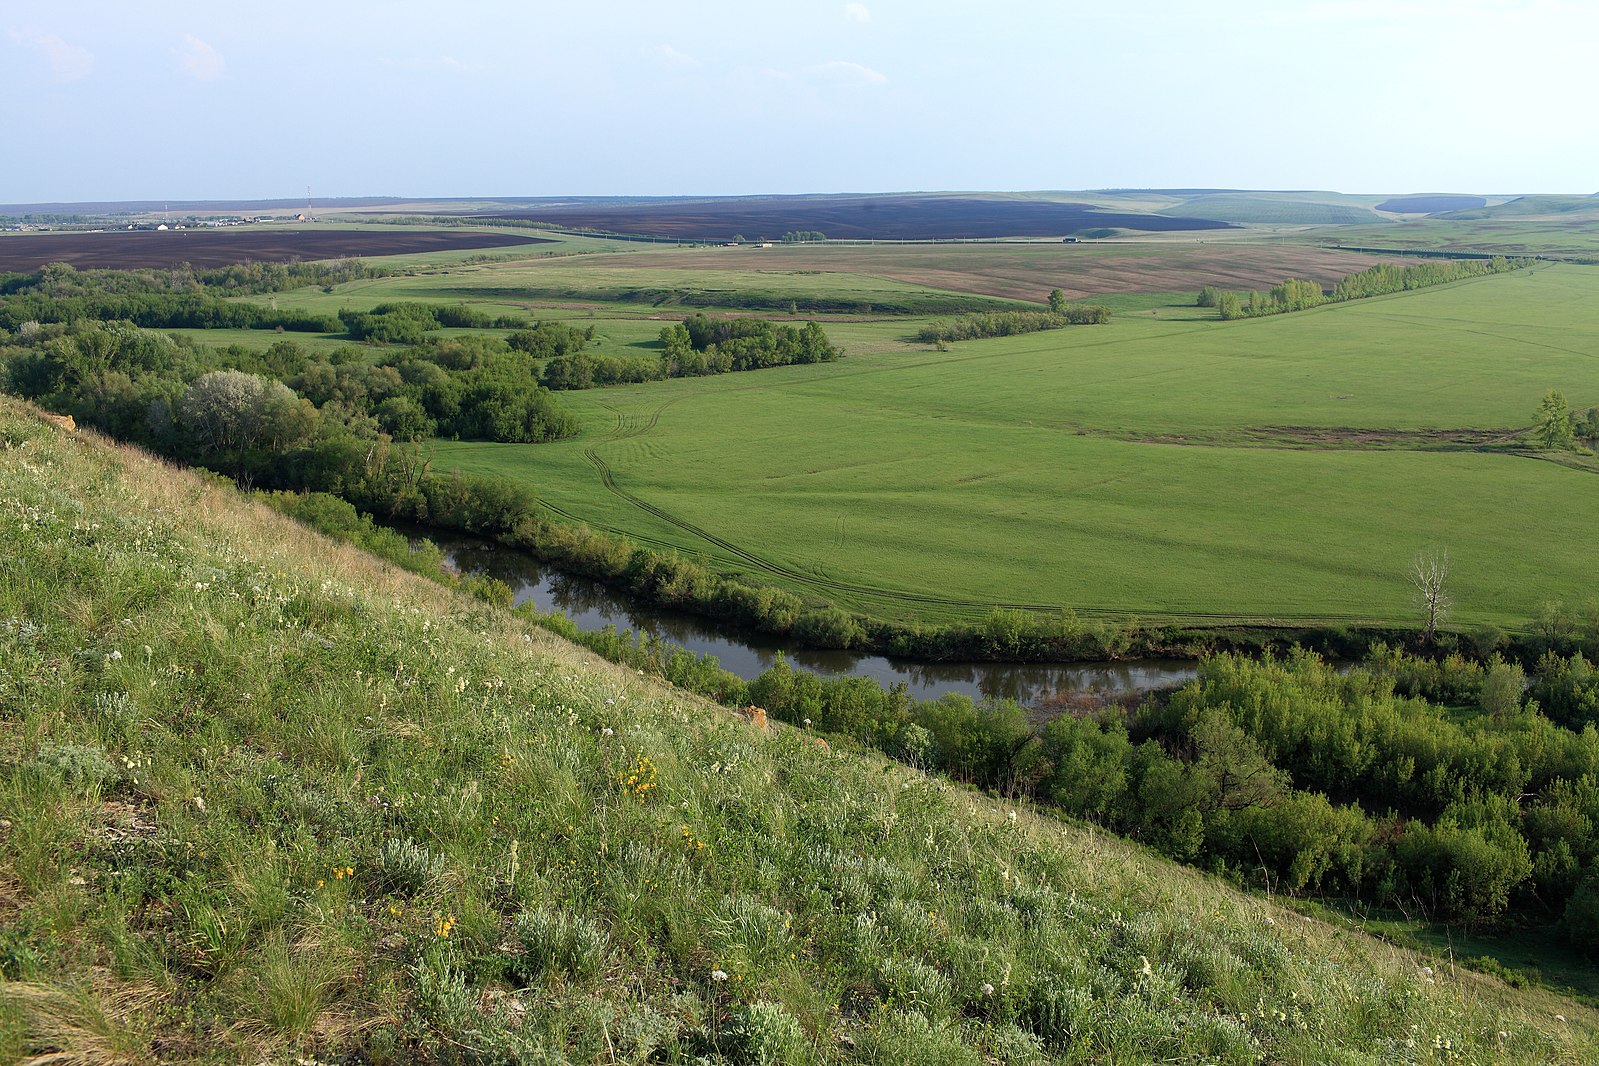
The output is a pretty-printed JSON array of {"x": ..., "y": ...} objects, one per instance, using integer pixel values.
[{"x": 592, "y": 606}]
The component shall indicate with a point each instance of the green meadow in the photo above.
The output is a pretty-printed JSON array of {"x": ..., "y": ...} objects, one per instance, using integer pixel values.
[{"x": 1166, "y": 466}]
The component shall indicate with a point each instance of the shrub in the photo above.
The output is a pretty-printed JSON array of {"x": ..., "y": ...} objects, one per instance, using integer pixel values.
[
  {"x": 407, "y": 868},
  {"x": 80, "y": 765},
  {"x": 766, "y": 1034},
  {"x": 554, "y": 942}
]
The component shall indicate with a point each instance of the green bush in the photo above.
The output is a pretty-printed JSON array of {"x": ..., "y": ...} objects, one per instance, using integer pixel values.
[
  {"x": 407, "y": 868},
  {"x": 554, "y": 942}
]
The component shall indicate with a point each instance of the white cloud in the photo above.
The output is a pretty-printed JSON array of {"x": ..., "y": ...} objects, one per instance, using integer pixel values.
[
  {"x": 842, "y": 70},
  {"x": 199, "y": 60},
  {"x": 681, "y": 59},
  {"x": 68, "y": 62},
  {"x": 858, "y": 12}
]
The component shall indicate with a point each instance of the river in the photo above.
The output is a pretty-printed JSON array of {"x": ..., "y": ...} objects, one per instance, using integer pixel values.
[{"x": 593, "y": 606}]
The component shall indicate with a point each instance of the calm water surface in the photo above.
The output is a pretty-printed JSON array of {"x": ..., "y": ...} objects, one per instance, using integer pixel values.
[{"x": 593, "y": 606}]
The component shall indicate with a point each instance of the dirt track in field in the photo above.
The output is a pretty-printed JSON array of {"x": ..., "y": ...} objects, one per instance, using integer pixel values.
[
  {"x": 1029, "y": 271},
  {"x": 212, "y": 248}
]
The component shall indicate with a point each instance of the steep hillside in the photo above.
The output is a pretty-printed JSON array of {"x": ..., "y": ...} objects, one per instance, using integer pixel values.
[{"x": 263, "y": 796}]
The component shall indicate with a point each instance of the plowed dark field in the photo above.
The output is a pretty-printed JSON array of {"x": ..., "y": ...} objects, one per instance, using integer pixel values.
[
  {"x": 855, "y": 217},
  {"x": 210, "y": 248}
]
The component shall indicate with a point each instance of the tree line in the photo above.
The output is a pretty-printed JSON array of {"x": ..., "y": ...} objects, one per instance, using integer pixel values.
[
  {"x": 1297, "y": 295},
  {"x": 1011, "y": 323}
]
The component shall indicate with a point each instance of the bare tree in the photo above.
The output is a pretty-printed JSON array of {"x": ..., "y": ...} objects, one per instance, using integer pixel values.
[{"x": 1429, "y": 576}]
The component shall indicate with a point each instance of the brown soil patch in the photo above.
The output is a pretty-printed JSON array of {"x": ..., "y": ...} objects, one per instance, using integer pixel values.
[{"x": 211, "y": 248}]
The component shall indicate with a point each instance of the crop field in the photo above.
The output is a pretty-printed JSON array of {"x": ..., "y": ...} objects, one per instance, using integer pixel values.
[
  {"x": 651, "y": 280},
  {"x": 1284, "y": 469},
  {"x": 220, "y": 247},
  {"x": 905, "y": 217},
  {"x": 1027, "y": 271},
  {"x": 905, "y": 279}
]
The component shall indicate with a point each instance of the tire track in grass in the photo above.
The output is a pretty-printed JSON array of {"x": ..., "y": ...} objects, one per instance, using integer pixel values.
[
  {"x": 887, "y": 596},
  {"x": 627, "y": 427}
]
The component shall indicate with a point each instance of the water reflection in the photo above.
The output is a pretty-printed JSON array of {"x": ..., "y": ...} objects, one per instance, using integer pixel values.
[{"x": 593, "y": 606}]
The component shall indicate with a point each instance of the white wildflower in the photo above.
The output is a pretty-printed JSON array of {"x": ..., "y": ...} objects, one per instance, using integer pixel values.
[{"x": 718, "y": 975}]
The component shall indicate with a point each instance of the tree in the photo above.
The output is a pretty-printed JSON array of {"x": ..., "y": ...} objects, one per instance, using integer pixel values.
[
  {"x": 1553, "y": 427},
  {"x": 1057, "y": 301},
  {"x": 1429, "y": 576}
]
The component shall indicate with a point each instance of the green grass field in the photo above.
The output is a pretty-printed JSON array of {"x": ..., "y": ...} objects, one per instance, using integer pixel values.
[
  {"x": 1165, "y": 466},
  {"x": 1576, "y": 237}
]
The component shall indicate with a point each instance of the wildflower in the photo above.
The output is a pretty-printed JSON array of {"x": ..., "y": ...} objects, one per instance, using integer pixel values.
[
  {"x": 443, "y": 925},
  {"x": 1146, "y": 969},
  {"x": 199, "y": 804},
  {"x": 115, "y": 655},
  {"x": 721, "y": 975},
  {"x": 988, "y": 989},
  {"x": 607, "y": 732},
  {"x": 1011, "y": 817}
]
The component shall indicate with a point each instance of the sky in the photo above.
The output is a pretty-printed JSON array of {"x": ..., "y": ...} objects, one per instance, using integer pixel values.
[{"x": 160, "y": 100}]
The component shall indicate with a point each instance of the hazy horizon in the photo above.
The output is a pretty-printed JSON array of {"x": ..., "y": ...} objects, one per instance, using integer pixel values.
[{"x": 183, "y": 101}]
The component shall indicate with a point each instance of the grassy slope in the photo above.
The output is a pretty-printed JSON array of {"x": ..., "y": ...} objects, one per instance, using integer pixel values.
[
  {"x": 1129, "y": 459},
  {"x": 218, "y": 726},
  {"x": 1573, "y": 236}
]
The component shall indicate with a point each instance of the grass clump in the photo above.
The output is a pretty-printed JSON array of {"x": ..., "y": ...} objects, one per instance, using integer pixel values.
[
  {"x": 407, "y": 868},
  {"x": 556, "y": 943}
]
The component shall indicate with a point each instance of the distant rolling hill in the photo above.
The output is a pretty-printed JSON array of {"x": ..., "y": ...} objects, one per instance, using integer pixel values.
[
  {"x": 1540, "y": 206},
  {"x": 1246, "y": 207},
  {"x": 1431, "y": 203}
]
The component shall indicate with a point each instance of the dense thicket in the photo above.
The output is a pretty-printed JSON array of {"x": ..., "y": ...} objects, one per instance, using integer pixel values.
[
  {"x": 409, "y": 323},
  {"x": 286, "y": 416},
  {"x": 700, "y": 345},
  {"x": 1297, "y": 295},
  {"x": 1011, "y": 323}
]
